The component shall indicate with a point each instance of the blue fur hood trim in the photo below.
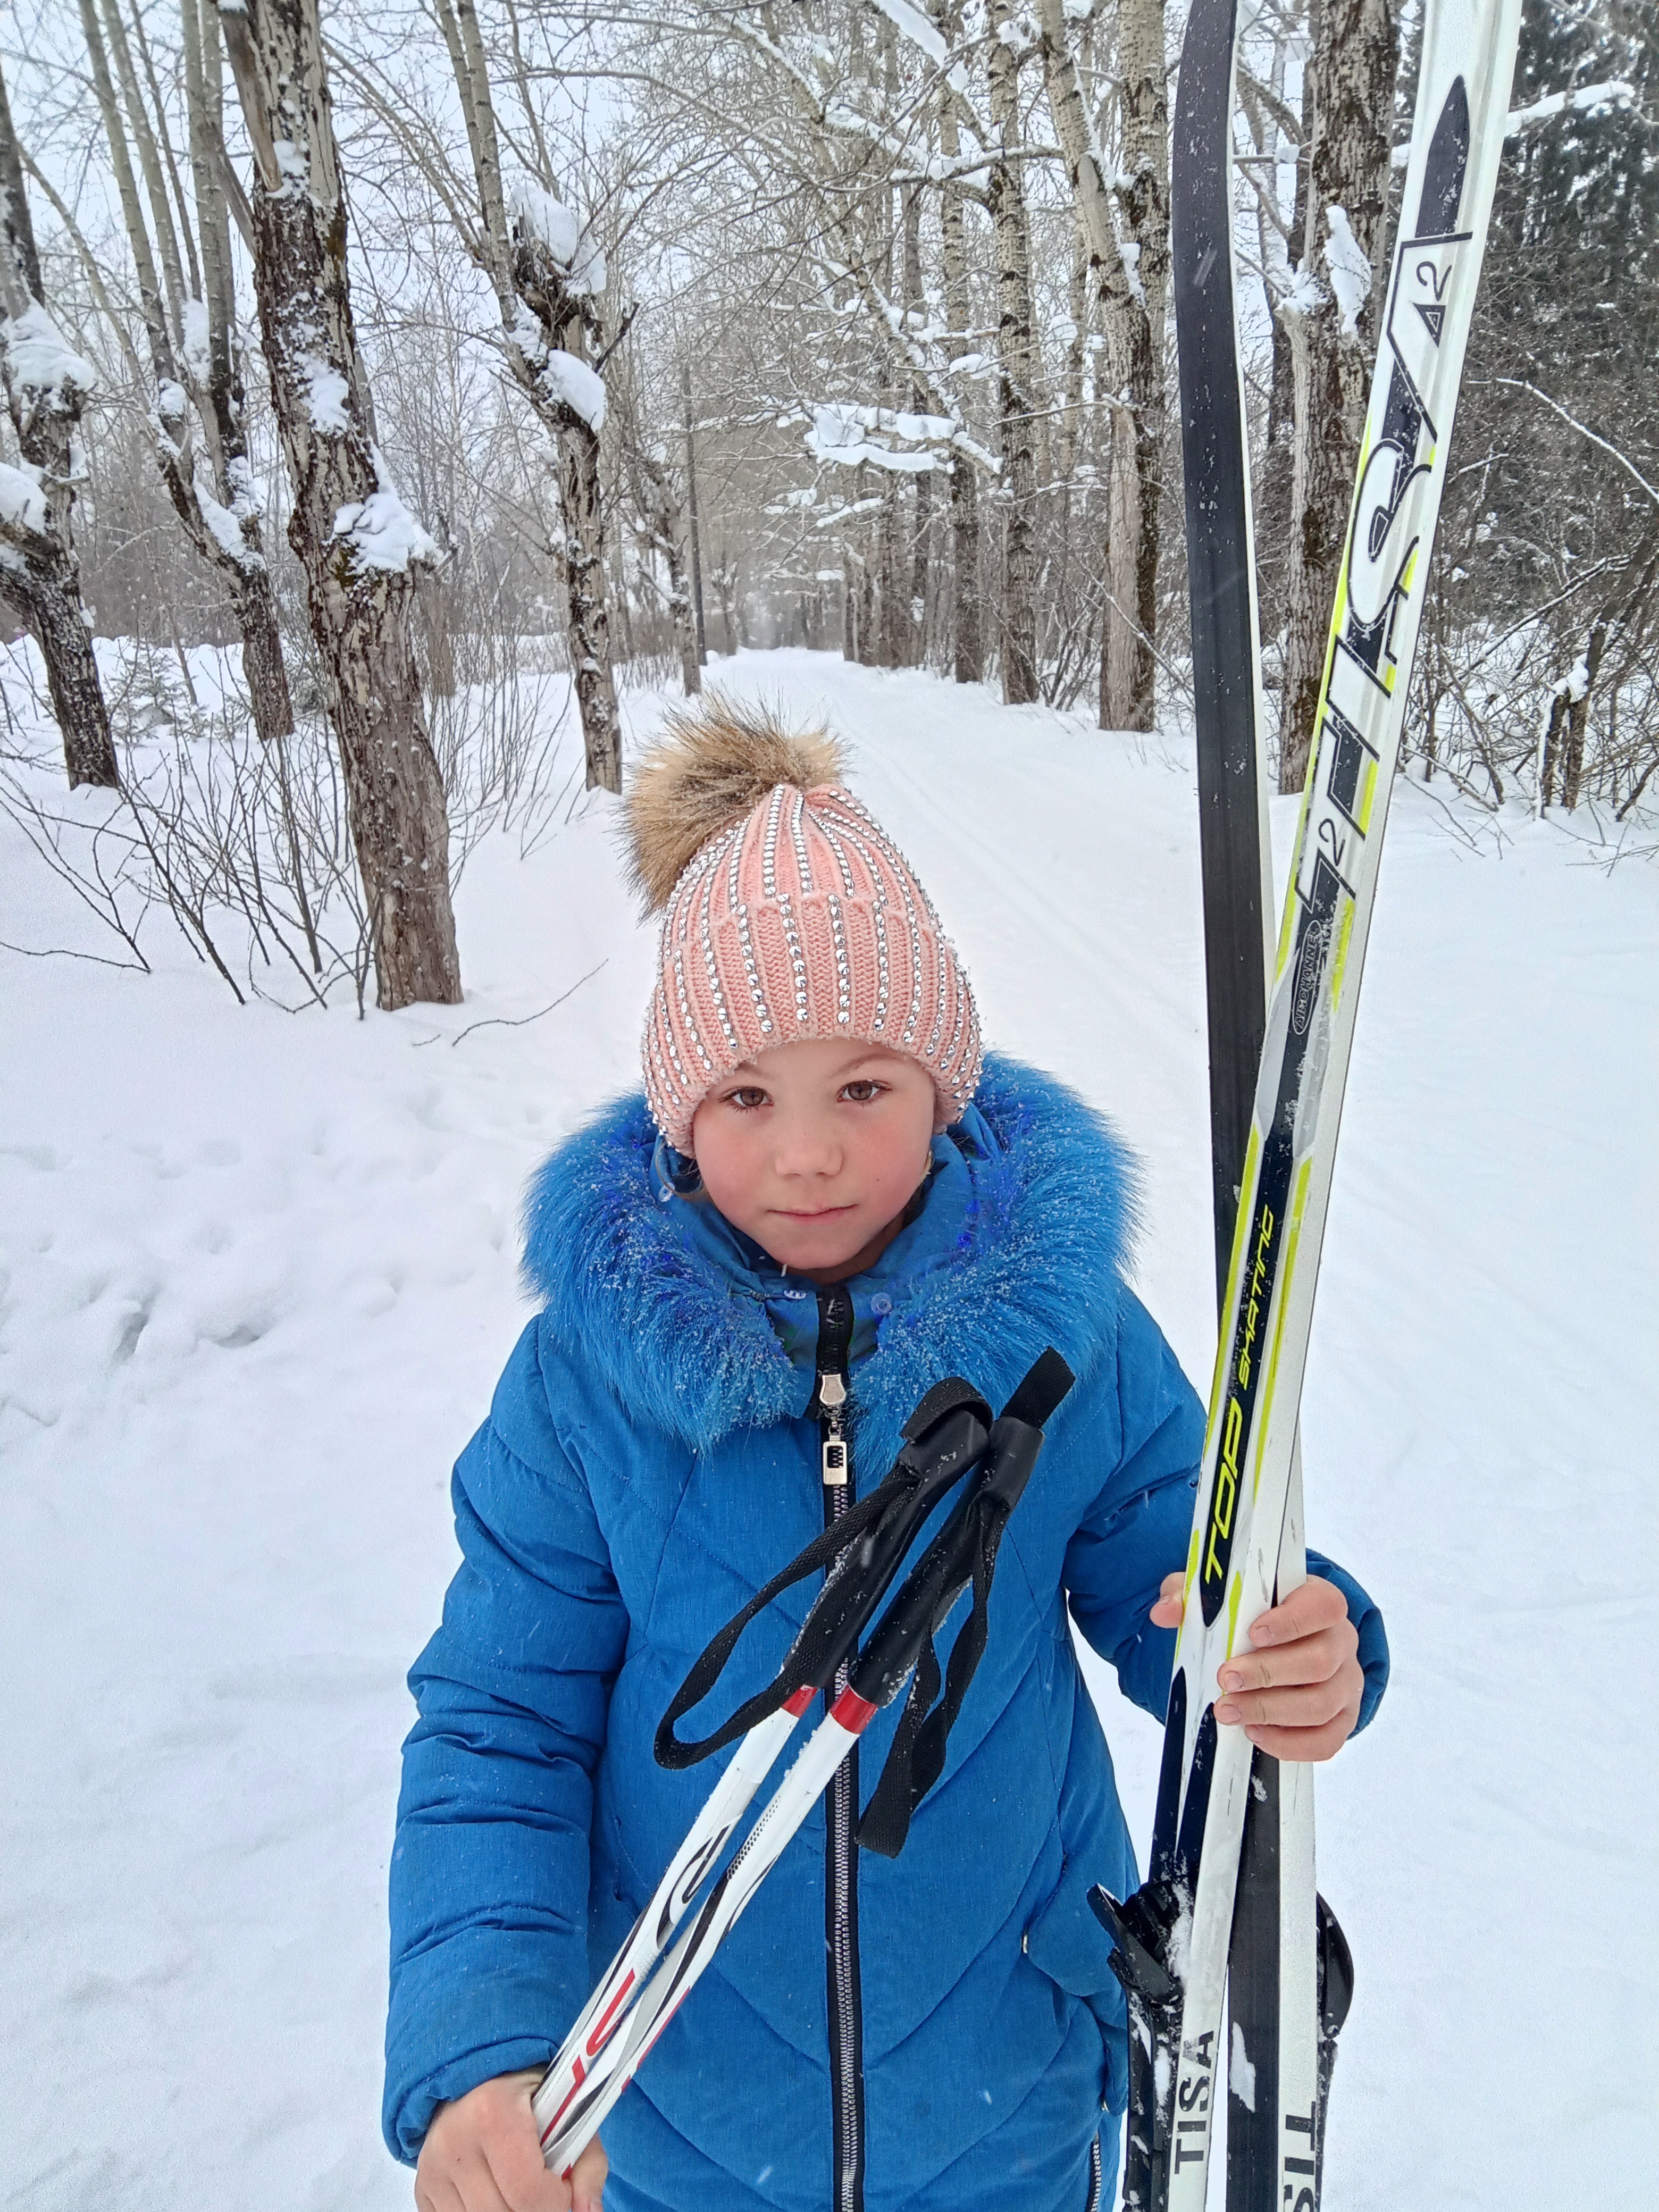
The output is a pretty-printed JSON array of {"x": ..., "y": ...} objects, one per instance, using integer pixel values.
[{"x": 1034, "y": 1256}]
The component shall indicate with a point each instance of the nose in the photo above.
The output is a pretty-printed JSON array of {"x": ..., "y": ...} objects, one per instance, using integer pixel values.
[{"x": 805, "y": 1145}]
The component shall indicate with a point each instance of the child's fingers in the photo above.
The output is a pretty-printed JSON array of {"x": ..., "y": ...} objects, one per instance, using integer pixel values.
[
  {"x": 1318, "y": 1604},
  {"x": 588, "y": 2179},
  {"x": 524, "y": 2182},
  {"x": 1166, "y": 1610},
  {"x": 1302, "y": 1745},
  {"x": 1309, "y": 1704},
  {"x": 1313, "y": 1658}
]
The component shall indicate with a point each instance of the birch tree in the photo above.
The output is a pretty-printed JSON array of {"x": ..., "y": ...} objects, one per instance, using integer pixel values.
[
  {"x": 1127, "y": 229},
  {"x": 187, "y": 303},
  {"x": 1017, "y": 357},
  {"x": 361, "y": 548},
  {"x": 47, "y": 387}
]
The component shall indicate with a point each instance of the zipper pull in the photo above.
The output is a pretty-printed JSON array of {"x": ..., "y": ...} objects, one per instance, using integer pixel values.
[{"x": 832, "y": 1396}]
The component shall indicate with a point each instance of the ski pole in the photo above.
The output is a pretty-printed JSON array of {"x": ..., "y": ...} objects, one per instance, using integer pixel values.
[
  {"x": 944, "y": 1436},
  {"x": 580, "y": 2086}
]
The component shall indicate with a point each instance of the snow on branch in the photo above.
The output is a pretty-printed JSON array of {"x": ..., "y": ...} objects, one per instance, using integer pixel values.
[
  {"x": 843, "y": 435},
  {"x": 574, "y": 385},
  {"x": 22, "y": 502},
  {"x": 381, "y": 532},
  {"x": 916, "y": 25},
  {"x": 1614, "y": 93},
  {"x": 40, "y": 359},
  {"x": 542, "y": 215},
  {"x": 1350, "y": 268}
]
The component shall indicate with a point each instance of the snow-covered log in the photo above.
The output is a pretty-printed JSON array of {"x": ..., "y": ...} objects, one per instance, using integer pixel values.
[
  {"x": 47, "y": 384},
  {"x": 362, "y": 549}
]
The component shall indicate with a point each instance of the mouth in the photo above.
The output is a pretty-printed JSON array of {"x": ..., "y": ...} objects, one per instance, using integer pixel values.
[{"x": 818, "y": 1213}]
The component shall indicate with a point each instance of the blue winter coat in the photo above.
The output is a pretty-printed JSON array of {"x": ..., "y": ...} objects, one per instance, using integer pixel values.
[{"x": 646, "y": 1466}]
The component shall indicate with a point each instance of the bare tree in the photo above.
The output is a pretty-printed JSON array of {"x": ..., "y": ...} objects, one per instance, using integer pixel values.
[
  {"x": 361, "y": 548},
  {"x": 1017, "y": 355},
  {"x": 547, "y": 272},
  {"x": 47, "y": 385},
  {"x": 197, "y": 413},
  {"x": 1134, "y": 294}
]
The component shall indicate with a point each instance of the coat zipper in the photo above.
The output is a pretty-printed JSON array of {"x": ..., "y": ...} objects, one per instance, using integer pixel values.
[{"x": 841, "y": 1888}]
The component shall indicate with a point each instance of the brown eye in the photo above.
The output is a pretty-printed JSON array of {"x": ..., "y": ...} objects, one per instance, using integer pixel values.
[
  {"x": 746, "y": 1099},
  {"x": 864, "y": 1091}
]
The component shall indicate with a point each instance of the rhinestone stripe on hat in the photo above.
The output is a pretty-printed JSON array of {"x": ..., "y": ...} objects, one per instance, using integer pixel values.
[
  {"x": 706, "y": 934},
  {"x": 747, "y": 943}
]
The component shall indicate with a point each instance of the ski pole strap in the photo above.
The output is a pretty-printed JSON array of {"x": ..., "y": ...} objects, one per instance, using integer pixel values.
[
  {"x": 965, "y": 1550},
  {"x": 916, "y": 1758},
  {"x": 944, "y": 1436}
]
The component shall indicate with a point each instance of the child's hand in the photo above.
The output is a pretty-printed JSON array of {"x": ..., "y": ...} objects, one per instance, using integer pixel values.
[
  {"x": 1298, "y": 1693},
  {"x": 482, "y": 2154}
]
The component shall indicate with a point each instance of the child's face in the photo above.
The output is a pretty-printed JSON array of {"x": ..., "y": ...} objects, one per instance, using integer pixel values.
[{"x": 815, "y": 1150}]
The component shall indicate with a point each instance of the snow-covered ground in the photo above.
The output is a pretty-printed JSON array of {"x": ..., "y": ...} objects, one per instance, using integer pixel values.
[{"x": 257, "y": 1275}]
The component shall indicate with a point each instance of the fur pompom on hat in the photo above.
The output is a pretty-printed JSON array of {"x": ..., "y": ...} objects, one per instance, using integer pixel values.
[{"x": 787, "y": 912}]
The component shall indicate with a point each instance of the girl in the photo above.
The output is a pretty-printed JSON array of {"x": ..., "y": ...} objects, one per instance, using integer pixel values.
[{"x": 825, "y": 1202}]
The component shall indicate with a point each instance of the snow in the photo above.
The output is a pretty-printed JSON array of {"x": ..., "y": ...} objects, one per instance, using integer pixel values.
[
  {"x": 1350, "y": 269},
  {"x": 562, "y": 231},
  {"x": 223, "y": 523},
  {"x": 258, "y": 1277},
  {"x": 327, "y": 394},
  {"x": 382, "y": 531},
  {"x": 22, "y": 502},
  {"x": 570, "y": 379},
  {"x": 197, "y": 350},
  {"x": 40, "y": 359},
  {"x": 839, "y": 436},
  {"x": 1613, "y": 92},
  {"x": 1241, "y": 2072}
]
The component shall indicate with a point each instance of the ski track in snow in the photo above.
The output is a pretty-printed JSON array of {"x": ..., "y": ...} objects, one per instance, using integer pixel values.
[{"x": 257, "y": 1275}]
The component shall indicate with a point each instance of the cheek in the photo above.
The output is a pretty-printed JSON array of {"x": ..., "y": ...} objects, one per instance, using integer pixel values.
[{"x": 898, "y": 1152}]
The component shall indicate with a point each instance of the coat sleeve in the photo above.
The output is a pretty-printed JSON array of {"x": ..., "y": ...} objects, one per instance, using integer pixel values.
[
  {"x": 489, "y": 1868},
  {"x": 1138, "y": 1529}
]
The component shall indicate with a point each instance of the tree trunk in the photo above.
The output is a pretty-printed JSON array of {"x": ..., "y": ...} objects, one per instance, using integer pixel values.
[
  {"x": 1351, "y": 78},
  {"x": 589, "y": 626},
  {"x": 1138, "y": 457},
  {"x": 262, "y": 661},
  {"x": 895, "y": 616},
  {"x": 359, "y": 547},
  {"x": 968, "y": 642},
  {"x": 914, "y": 652},
  {"x": 666, "y": 531},
  {"x": 967, "y": 647},
  {"x": 47, "y": 387},
  {"x": 693, "y": 528},
  {"x": 548, "y": 315},
  {"x": 1133, "y": 307},
  {"x": 1018, "y": 362}
]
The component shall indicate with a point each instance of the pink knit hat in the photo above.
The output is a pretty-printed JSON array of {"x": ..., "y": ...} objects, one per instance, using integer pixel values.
[{"x": 790, "y": 912}]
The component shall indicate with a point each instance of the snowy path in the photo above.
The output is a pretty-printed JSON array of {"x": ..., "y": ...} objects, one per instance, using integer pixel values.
[{"x": 257, "y": 1275}]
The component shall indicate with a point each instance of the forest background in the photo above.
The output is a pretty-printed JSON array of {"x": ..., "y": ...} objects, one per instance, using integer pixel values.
[{"x": 450, "y": 364}]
